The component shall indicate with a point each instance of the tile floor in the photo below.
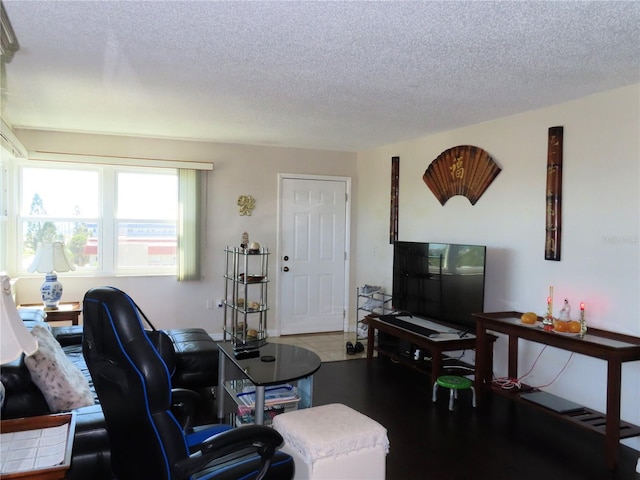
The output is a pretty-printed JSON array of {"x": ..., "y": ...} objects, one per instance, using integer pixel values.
[{"x": 330, "y": 347}]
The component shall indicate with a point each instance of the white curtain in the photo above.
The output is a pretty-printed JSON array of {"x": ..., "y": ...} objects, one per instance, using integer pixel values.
[{"x": 190, "y": 214}]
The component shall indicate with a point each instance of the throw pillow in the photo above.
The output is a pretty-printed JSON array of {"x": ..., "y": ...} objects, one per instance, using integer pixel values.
[{"x": 62, "y": 383}]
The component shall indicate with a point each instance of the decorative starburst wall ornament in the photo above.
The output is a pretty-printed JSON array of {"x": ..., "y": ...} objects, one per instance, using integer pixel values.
[{"x": 246, "y": 203}]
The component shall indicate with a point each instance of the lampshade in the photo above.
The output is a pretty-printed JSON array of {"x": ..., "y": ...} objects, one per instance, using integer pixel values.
[
  {"x": 15, "y": 338},
  {"x": 51, "y": 257}
]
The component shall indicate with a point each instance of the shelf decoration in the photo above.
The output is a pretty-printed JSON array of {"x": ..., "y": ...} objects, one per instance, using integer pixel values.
[
  {"x": 463, "y": 170},
  {"x": 395, "y": 191},
  {"x": 246, "y": 203},
  {"x": 553, "y": 222}
]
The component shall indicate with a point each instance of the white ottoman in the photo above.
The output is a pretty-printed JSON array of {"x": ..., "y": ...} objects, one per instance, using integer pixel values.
[{"x": 334, "y": 442}]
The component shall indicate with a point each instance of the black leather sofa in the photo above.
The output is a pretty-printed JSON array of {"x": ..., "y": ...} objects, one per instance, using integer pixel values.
[{"x": 196, "y": 369}]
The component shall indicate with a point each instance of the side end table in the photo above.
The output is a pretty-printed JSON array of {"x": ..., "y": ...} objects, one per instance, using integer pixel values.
[{"x": 66, "y": 311}]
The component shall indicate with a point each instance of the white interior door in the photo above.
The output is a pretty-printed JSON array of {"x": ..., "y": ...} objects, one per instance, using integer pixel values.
[{"x": 312, "y": 263}]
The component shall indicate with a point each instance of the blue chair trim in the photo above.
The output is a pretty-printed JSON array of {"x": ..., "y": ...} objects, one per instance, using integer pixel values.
[{"x": 196, "y": 438}]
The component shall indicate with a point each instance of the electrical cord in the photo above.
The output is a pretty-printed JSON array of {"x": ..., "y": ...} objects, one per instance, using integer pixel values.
[
  {"x": 559, "y": 373},
  {"x": 507, "y": 383}
]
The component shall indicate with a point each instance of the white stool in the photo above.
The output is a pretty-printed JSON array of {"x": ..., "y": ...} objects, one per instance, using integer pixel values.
[{"x": 334, "y": 442}]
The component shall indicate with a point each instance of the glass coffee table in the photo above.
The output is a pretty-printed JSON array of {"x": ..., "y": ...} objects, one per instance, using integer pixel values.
[{"x": 276, "y": 364}]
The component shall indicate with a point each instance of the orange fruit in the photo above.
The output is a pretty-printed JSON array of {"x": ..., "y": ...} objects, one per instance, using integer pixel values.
[
  {"x": 529, "y": 317},
  {"x": 574, "y": 326},
  {"x": 561, "y": 326}
]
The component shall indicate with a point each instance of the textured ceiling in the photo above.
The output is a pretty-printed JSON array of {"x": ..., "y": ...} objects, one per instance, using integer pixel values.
[{"x": 331, "y": 75}]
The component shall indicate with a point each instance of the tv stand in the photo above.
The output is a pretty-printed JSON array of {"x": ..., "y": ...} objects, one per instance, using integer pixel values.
[{"x": 433, "y": 338}]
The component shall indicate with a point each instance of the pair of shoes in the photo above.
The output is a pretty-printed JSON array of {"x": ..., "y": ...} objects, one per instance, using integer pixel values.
[
  {"x": 369, "y": 289},
  {"x": 353, "y": 349},
  {"x": 372, "y": 303}
]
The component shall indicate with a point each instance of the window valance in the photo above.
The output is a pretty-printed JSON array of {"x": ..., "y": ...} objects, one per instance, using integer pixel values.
[{"x": 113, "y": 160}]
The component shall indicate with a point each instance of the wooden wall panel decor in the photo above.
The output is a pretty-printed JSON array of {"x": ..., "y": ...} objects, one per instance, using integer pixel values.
[
  {"x": 463, "y": 170},
  {"x": 395, "y": 182},
  {"x": 553, "y": 220}
]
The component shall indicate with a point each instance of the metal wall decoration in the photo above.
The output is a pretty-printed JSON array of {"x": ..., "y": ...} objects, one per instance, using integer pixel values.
[
  {"x": 246, "y": 203},
  {"x": 463, "y": 170},
  {"x": 553, "y": 220},
  {"x": 395, "y": 181}
]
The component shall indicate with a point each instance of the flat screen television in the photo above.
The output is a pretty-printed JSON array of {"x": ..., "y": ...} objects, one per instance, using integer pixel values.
[{"x": 439, "y": 281}]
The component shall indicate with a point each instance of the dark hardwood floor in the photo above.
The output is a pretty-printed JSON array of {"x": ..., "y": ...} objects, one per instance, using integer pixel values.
[{"x": 504, "y": 441}]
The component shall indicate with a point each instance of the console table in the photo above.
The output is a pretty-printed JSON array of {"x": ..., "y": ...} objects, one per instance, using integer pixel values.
[
  {"x": 614, "y": 348},
  {"x": 436, "y": 345}
]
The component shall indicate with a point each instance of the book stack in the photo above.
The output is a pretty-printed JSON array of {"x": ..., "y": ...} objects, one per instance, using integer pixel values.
[{"x": 277, "y": 399}]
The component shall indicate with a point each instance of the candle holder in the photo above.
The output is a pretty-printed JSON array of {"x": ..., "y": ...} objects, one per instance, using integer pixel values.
[
  {"x": 583, "y": 322},
  {"x": 547, "y": 321}
]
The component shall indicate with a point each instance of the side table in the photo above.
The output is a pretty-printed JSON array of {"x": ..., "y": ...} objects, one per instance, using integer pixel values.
[
  {"x": 66, "y": 311},
  {"x": 278, "y": 363}
]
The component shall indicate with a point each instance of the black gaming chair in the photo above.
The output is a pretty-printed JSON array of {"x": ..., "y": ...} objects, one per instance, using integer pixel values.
[{"x": 133, "y": 384}]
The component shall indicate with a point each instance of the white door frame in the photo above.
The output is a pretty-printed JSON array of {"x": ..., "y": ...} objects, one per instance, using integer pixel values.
[{"x": 347, "y": 240}]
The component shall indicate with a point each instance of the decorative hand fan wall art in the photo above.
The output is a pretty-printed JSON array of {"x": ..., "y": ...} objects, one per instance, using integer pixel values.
[{"x": 463, "y": 170}]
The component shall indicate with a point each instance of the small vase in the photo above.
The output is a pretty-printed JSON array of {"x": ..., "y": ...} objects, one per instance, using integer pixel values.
[{"x": 51, "y": 291}]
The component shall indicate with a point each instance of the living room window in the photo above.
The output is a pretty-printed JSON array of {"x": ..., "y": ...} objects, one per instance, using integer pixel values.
[
  {"x": 113, "y": 219},
  {"x": 146, "y": 220}
]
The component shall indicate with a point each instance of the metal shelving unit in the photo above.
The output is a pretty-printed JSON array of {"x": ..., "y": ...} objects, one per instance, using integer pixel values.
[
  {"x": 375, "y": 302},
  {"x": 245, "y": 297}
]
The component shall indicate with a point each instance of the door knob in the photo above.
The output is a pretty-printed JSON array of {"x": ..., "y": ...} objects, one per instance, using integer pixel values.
[{"x": 285, "y": 269}]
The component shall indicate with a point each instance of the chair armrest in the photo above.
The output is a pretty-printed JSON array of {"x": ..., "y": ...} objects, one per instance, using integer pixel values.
[
  {"x": 183, "y": 406},
  {"x": 261, "y": 439},
  {"x": 258, "y": 436},
  {"x": 184, "y": 395}
]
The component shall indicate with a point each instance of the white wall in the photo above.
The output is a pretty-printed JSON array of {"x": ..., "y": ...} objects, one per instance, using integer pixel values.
[
  {"x": 238, "y": 169},
  {"x": 600, "y": 261}
]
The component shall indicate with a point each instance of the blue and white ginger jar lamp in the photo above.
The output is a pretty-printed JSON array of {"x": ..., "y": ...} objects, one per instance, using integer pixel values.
[{"x": 51, "y": 258}]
